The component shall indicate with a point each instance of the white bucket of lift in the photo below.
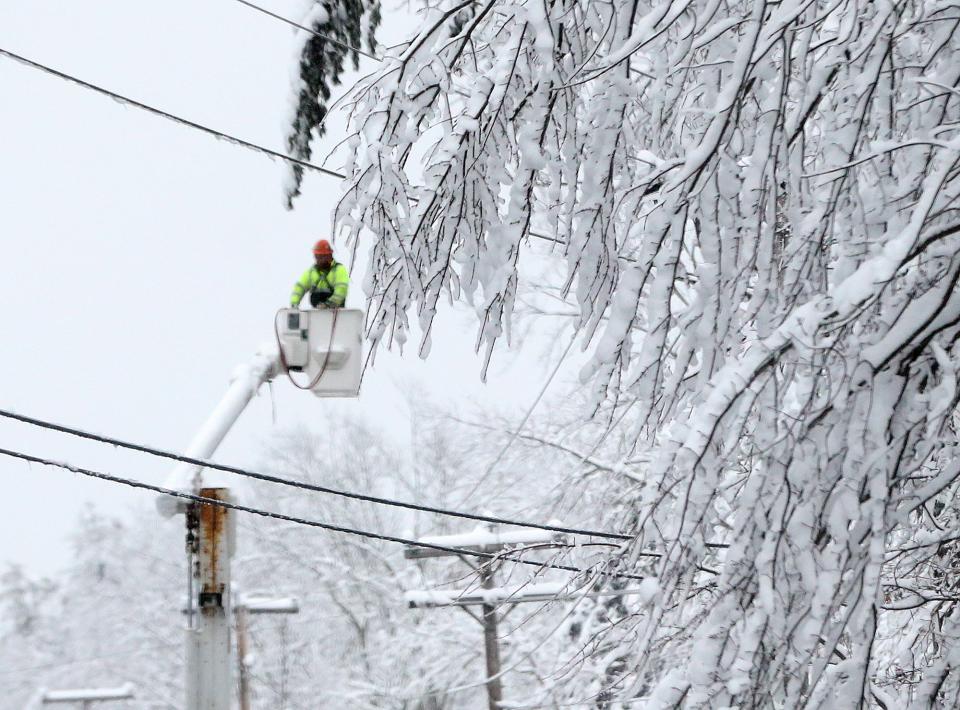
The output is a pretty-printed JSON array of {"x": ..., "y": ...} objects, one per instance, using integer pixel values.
[{"x": 325, "y": 345}]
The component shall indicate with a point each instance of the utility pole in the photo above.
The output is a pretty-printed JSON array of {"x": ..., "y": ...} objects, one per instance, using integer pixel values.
[
  {"x": 484, "y": 540},
  {"x": 245, "y": 606},
  {"x": 333, "y": 341},
  {"x": 491, "y": 644},
  {"x": 242, "y": 671},
  {"x": 208, "y": 639},
  {"x": 210, "y": 541},
  {"x": 86, "y": 697}
]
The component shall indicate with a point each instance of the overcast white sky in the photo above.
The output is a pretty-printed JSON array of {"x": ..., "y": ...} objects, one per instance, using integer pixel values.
[{"x": 143, "y": 261}]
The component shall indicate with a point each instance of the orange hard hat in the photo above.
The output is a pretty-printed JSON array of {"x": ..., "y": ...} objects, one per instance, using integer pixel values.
[{"x": 323, "y": 248}]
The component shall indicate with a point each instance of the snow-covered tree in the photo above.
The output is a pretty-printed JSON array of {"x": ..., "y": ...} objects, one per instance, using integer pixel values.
[
  {"x": 355, "y": 643},
  {"x": 23, "y": 601},
  {"x": 756, "y": 202},
  {"x": 113, "y": 617}
]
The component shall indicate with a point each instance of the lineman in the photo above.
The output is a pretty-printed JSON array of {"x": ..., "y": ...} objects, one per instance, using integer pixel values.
[{"x": 327, "y": 280}]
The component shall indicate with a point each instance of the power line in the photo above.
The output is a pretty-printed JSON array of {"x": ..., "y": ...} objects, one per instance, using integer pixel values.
[
  {"x": 304, "y": 521},
  {"x": 272, "y": 153},
  {"x": 324, "y": 37},
  {"x": 308, "y": 486},
  {"x": 211, "y": 131},
  {"x": 328, "y": 38},
  {"x": 169, "y": 116}
]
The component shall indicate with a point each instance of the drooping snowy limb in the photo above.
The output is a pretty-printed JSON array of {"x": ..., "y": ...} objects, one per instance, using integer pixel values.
[
  {"x": 783, "y": 178},
  {"x": 331, "y": 33}
]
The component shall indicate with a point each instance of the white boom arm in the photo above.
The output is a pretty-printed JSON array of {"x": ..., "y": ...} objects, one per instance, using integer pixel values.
[
  {"x": 323, "y": 344},
  {"x": 247, "y": 379}
]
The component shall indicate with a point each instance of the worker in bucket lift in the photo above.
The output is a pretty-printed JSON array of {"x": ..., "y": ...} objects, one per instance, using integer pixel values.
[{"x": 327, "y": 280}]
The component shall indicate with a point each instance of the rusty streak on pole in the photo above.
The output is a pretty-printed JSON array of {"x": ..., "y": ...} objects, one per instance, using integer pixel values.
[{"x": 208, "y": 672}]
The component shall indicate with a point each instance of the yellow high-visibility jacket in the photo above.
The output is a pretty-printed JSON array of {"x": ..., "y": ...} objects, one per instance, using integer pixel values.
[{"x": 334, "y": 280}]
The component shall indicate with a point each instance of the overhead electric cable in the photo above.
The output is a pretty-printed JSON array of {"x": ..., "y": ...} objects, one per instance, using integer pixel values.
[
  {"x": 169, "y": 116},
  {"x": 324, "y": 37},
  {"x": 206, "y": 129},
  {"x": 33, "y": 421},
  {"x": 350, "y": 47},
  {"x": 305, "y": 521}
]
